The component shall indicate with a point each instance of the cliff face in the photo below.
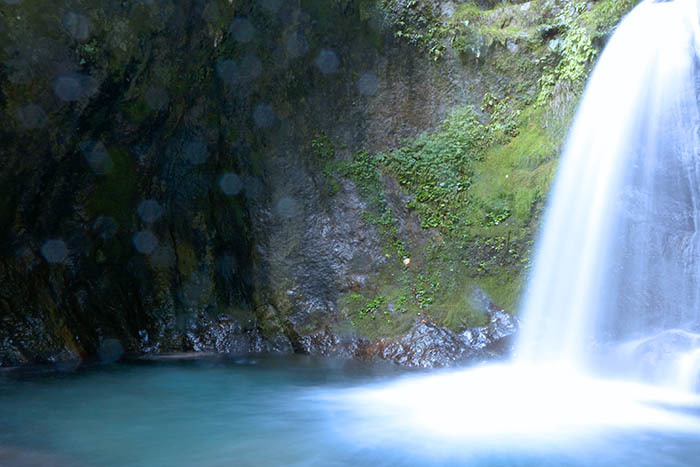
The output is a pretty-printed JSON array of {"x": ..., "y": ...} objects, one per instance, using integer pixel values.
[{"x": 240, "y": 176}]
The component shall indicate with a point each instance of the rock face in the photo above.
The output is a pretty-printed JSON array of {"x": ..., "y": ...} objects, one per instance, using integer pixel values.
[
  {"x": 159, "y": 183},
  {"x": 175, "y": 175},
  {"x": 429, "y": 346},
  {"x": 495, "y": 338}
]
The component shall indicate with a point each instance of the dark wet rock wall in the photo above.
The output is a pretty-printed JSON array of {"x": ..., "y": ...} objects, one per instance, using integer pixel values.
[
  {"x": 158, "y": 184},
  {"x": 174, "y": 174}
]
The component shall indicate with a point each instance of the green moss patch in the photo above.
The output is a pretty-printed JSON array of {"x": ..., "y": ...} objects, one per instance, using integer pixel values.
[{"x": 116, "y": 191}]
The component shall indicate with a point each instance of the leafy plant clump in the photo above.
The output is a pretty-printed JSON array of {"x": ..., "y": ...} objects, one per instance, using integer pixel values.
[{"x": 478, "y": 183}]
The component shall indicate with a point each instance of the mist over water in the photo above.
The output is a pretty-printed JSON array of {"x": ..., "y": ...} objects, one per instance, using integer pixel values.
[{"x": 609, "y": 342}]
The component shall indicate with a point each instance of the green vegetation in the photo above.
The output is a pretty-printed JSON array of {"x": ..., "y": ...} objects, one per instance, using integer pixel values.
[
  {"x": 115, "y": 194},
  {"x": 364, "y": 170},
  {"x": 438, "y": 168},
  {"x": 324, "y": 151},
  {"x": 417, "y": 22},
  {"x": 479, "y": 181},
  {"x": 481, "y": 226}
]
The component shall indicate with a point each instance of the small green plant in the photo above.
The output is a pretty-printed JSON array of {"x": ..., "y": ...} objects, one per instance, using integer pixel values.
[
  {"x": 364, "y": 171},
  {"x": 373, "y": 305},
  {"x": 437, "y": 168},
  {"x": 324, "y": 151}
]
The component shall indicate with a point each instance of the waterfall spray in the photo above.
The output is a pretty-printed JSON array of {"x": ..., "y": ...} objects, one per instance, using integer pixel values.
[{"x": 612, "y": 310}]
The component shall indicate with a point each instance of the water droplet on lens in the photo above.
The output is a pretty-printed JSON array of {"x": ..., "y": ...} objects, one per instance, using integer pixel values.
[
  {"x": 242, "y": 30},
  {"x": 110, "y": 350},
  {"x": 68, "y": 88},
  {"x": 145, "y": 242},
  {"x": 231, "y": 184},
  {"x": 54, "y": 251},
  {"x": 264, "y": 116},
  {"x": 327, "y": 61},
  {"x": 286, "y": 207},
  {"x": 105, "y": 226},
  {"x": 297, "y": 45},
  {"x": 227, "y": 70},
  {"x": 32, "y": 116},
  {"x": 97, "y": 156},
  {"x": 250, "y": 68},
  {"x": 368, "y": 84},
  {"x": 196, "y": 152},
  {"x": 77, "y": 25},
  {"x": 149, "y": 210}
]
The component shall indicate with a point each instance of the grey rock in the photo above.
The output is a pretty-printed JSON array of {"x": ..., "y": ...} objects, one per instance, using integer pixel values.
[
  {"x": 501, "y": 325},
  {"x": 326, "y": 343},
  {"x": 427, "y": 346}
]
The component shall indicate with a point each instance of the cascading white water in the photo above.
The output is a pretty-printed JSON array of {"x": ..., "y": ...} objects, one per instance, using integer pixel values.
[
  {"x": 613, "y": 303},
  {"x": 619, "y": 253}
]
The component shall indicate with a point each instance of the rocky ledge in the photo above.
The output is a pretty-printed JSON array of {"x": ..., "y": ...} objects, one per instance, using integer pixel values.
[
  {"x": 430, "y": 346},
  {"x": 426, "y": 345}
]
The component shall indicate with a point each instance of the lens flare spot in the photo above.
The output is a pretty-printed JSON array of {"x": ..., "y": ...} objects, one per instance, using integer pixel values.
[{"x": 54, "y": 251}]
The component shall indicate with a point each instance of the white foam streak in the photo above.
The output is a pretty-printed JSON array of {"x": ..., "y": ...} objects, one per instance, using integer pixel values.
[{"x": 509, "y": 404}]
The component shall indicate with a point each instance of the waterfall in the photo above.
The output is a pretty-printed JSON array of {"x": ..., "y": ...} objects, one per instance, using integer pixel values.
[
  {"x": 618, "y": 258},
  {"x": 610, "y": 335}
]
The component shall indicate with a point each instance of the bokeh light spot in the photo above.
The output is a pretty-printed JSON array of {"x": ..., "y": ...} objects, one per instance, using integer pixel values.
[
  {"x": 296, "y": 45},
  {"x": 368, "y": 84},
  {"x": 227, "y": 70},
  {"x": 145, "y": 242},
  {"x": 97, "y": 156},
  {"x": 68, "y": 88},
  {"x": 196, "y": 152},
  {"x": 149, "y": 210},
  {"x": 32, "y": 116},
  {"x": 231, "y": 184},
  {"x": 242, "y": 30},
  {"x": 54, "y": 251},
  {"x": 263, "y": 116},
  {"x": 327, "y": 61},
  {"x": 287, "y": 207},
  {"x": 77, "y": 25},
  {"x": 110, "y": 351},
  {"x": 105, "y": 226}
]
